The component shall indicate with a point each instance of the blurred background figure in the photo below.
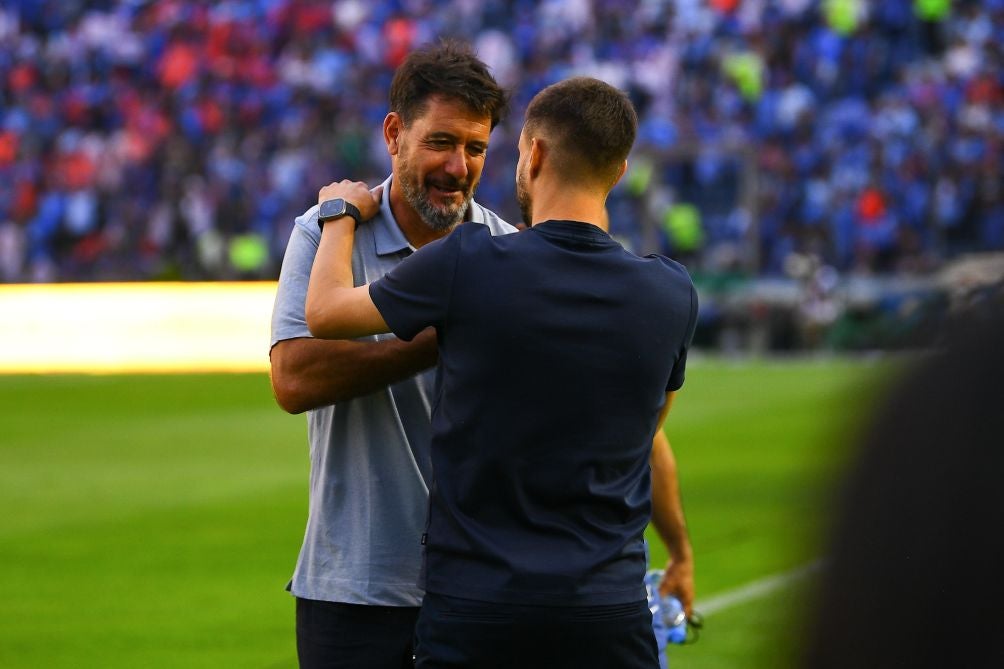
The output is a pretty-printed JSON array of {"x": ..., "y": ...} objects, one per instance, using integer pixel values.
[{"x": 913, "y": 578}]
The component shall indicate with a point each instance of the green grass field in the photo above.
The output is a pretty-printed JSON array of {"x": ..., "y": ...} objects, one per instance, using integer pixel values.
[{"x": 153, "y": 521}]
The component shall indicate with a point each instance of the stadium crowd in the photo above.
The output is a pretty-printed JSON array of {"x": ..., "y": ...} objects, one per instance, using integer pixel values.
[{"x": 178, "y": 139}]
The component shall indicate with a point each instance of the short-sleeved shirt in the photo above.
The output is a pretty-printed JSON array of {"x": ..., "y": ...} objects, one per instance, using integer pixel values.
[
  {"x": 369, "y": 456},
  {"x": 542, "y": 500}
]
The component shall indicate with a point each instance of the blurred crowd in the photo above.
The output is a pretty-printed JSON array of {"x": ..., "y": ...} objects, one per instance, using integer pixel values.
[{"x": 178, "y": 139}]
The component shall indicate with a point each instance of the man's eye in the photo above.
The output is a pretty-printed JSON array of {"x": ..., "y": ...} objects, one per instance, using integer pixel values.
[{"x": 477, "y": 150}]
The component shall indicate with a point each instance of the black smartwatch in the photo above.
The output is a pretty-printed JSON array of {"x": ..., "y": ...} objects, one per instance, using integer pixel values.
[{"x": 336, "y": 208}]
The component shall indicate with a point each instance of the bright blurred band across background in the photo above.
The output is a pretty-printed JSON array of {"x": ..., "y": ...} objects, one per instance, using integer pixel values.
[{"x": 135, "y": 327}]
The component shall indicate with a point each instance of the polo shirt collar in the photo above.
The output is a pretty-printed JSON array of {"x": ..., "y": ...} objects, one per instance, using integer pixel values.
[{"x": 388, "y": 236}]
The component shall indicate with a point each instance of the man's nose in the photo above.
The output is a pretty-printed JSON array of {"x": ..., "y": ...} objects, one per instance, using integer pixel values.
[{"x": 456, "y": 164}]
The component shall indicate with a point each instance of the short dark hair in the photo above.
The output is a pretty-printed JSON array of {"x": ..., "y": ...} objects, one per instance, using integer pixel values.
[
  {"x": 449, "y": 69},
  {"x": 592, "y": 125}
]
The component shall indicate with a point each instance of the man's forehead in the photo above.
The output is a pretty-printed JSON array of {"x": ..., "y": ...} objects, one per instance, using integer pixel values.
[{"x": 448, "y": 115}]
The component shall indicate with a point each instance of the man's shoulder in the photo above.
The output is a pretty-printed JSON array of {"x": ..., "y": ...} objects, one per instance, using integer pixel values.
[
  {"x": 495, "y": 223},
  {"x": 307, "y": 224},
  {"x": 667, "y": 265},
  {"x": 307, "y": 221},
  {"x": 670, "y": 279}
]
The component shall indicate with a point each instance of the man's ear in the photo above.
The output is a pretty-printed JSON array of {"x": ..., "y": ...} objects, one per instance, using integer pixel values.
[
  {"x": 392, "y": 128},
  {"x": 620, "y": 174},
  {"x": 538, "y": 151}
]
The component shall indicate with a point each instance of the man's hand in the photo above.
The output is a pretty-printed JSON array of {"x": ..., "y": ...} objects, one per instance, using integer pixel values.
[
  {"x": 356, "y": 193},
  {"x": 678, "y": 580}
]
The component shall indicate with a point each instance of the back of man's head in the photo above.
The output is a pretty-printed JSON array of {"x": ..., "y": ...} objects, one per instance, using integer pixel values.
[
  {"x": 590, "y": 125},
  {"x": 449, "y": 69}
]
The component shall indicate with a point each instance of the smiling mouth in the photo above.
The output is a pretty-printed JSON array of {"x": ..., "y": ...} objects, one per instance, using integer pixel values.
[{"x": 447, "y": 191}]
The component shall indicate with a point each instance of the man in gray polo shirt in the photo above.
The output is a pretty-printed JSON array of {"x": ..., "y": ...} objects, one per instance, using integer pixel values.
[{"x": 368, "y": 401}]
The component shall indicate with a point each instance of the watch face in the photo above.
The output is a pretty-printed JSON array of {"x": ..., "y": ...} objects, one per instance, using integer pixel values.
[{"x": 331, "y": 209}]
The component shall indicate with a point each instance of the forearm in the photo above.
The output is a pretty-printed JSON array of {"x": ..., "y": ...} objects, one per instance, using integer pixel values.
[
  {"x": 335, "y": 309},
  {"x": 330, "y": 276},
  {"x": 310, "y": 373},
  {"x": 667, "y": 508},
  {"x": 669, "y": 523}
]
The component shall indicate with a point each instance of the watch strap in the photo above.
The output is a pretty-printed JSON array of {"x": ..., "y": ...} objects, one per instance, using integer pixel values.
[{"x": 339, "y": 207}]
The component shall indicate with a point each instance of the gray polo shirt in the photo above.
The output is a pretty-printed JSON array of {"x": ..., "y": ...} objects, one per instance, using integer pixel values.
[{"x": 369, "y": 457}]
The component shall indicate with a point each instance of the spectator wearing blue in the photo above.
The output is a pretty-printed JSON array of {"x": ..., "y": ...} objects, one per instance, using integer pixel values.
[
  {"x": 902, "y": 95},
  {"x": 534, "y": 546}
]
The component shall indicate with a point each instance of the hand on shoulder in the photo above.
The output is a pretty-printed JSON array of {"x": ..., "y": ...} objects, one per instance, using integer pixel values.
[{"x": 355, "y": 193}]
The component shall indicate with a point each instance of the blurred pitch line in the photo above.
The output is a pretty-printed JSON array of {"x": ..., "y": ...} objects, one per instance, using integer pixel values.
[{"x": 756, "y": 589}]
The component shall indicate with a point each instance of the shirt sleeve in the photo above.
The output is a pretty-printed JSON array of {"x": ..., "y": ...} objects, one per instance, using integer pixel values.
[
  {"x": 679, "y": 369},
  {"x": 416, "y": 293},
  {"x": 288, "y": 319}
]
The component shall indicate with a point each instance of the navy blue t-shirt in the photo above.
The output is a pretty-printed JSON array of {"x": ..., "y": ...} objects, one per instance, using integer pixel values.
[{"x": 544, "y": 500}]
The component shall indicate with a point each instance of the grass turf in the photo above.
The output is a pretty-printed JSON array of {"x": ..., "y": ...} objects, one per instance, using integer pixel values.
[
  {"x": 154, "y": 520},
  {"x": 760, "y": 447}
]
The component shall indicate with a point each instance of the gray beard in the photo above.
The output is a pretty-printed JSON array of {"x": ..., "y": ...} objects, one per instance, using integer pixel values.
[{"x": 438, "y": 220}]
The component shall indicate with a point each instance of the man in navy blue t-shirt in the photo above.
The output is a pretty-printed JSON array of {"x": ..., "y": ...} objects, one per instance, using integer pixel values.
[{"x": 534, "y": 548}]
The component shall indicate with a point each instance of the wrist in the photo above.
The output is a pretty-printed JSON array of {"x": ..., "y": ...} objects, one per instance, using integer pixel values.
[
  {"x": 337, "y": 209},
  {"x": 681, "y": 560}
]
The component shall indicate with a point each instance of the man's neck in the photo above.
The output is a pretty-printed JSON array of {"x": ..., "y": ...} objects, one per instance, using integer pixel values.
[
  {"x": 563, "y": 204},
  {"x": 414, "y": 228}
]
